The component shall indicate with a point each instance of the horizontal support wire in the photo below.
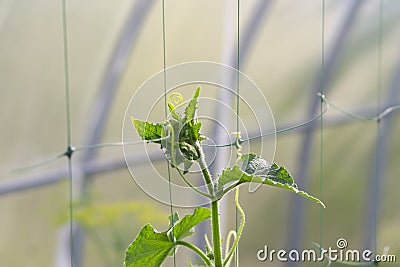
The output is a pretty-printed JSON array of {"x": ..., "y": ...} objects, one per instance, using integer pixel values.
[
  {"x": 378, "y": 117},
  {"x": 94, "y": 166},
  {"x": 72, "y": 149},
  {"x": 39, "y": 164},
  {"x": 95, "y": 146},
  {"x": 353, "y": 115}
]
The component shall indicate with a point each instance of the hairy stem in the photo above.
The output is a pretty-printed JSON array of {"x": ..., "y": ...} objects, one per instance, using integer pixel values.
[
  {"x": 214, "y": 208},
  {"x": 216, "y": 234},
  {"x": 191, "y": 186},
  {"x": 204, "y": 169}
]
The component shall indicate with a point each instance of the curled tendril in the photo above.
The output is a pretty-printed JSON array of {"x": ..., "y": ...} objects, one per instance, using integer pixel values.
[
  {"x": 231, "y": 234},
  {"x": 175, "y": 99},
  {"x": 238, "y": 146}
]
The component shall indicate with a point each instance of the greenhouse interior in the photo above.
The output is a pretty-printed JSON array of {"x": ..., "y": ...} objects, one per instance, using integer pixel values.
[{"x": 200, "y": 133}]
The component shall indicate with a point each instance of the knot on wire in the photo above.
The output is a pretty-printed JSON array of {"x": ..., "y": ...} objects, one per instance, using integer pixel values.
[
  {"x": 322, "y": 96},
  {"x": 236, "y": 143},
  {"x": 238, "y": 146},
  {"x": 70, "y": 151}
]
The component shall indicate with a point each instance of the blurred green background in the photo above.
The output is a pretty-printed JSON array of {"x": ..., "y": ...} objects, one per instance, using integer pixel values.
[{"x": 283, "y": 59}]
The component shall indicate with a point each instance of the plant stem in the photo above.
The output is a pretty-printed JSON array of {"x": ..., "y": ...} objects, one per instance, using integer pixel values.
[
  {"x": 191, "y": 186},
  {"x": 214, "y": 208},
  {"x": 196, "y": 250},
  {"x": 216, "y": 234},
  {"x": 204, "y": 169}
]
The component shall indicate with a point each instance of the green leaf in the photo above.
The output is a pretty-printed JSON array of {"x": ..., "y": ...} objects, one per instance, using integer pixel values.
[
  {"x": 185, "y": 134},
  {"x": 190, "y": 110},
  {"x": 253, "y": 164},
  {"x": 231, "y": 175},
  {"x": 184, "y": 227},
  {"x": 149, "y": 249},
  {"x": 196, "y": 131},
  {"x": 172, "y": 149},
  {"x": 257, "y": 170},
  {"x": 147, "y": 130}
]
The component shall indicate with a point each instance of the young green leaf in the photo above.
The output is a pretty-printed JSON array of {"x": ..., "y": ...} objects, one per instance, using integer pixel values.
[
  {"x": 196, "y": 131},
  {"x": 253, "y": 164},
  {"x": 172, "y": 145},
  {"x": 257, "y": 170},
  {"x": 148, "y": 131},
  {"x": 184, "y": 133},
  {"x": 190, "y": 110},
  {"x": 149, "y": 249},
  {"x": 184, "y": 227}
]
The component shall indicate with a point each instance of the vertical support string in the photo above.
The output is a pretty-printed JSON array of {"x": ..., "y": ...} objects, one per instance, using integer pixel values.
[
  {"x": 68, "y": 152},
  {"x": 296, "y": 213},
  {"x": 238, "y": 67},
  {"x": 166, "y": 112},
  {"x": 237, "y": 117},
  {"x": 71, "y": 214},
  {"x": 378, "y": 122},
  {"x": 66, "y": 73},
  {"x": 321, "y": 147},
  {"x": 379, "y": 158},
  {"x": 164, "y": 59}
]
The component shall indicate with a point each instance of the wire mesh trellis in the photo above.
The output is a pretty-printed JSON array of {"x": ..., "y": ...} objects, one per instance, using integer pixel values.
[{"x": 90, "y": 165}]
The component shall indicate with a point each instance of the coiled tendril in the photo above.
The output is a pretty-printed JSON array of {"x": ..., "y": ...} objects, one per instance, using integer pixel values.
[{"x": 175, "y": 99}]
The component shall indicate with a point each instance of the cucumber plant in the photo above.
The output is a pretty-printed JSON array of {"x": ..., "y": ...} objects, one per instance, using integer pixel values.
[{"x": 180, "y": 138}]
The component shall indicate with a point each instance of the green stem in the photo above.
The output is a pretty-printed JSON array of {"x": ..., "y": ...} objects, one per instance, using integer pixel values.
[
  {"x": 191, "y": 186},
  {"x": 229, "y": 188},
  {"x": 216, "y": 234},
  {"x": 214, "y": 208},
  {"x": 204, "y": 168},
  {"x": 196, "y": 250}
]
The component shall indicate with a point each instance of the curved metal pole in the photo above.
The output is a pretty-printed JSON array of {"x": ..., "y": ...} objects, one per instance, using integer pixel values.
[
  {"x": 115, "y": 69},
  {"x": 296, "y": 219}
]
